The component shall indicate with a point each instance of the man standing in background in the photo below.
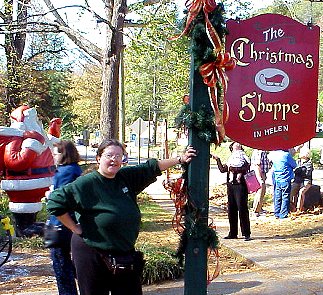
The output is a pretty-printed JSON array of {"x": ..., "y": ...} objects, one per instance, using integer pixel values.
[
  {"x": 261, "y": 165},
  {"x": 283, "y": 166}
]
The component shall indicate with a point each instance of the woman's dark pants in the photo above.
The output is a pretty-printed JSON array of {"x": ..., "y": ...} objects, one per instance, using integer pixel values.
[
  {"x": 94, "y": 277},
  {"x": 238, "y": 207}
]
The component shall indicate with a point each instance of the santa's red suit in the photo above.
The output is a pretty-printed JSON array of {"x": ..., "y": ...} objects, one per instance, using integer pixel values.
[{"x": 26, "y": 163}]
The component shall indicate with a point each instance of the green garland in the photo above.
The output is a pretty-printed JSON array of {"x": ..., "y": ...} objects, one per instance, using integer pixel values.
[
  {"x": 202, "y": 52},
  {"x": 202, "y": 121},
  {"x": 202, "y": 49},
  {"x": 195, "y": 227},
  {"x": 198, "y": 231}
]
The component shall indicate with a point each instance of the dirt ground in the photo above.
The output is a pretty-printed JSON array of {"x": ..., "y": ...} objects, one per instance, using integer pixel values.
[{"x": 29, "y": 271}]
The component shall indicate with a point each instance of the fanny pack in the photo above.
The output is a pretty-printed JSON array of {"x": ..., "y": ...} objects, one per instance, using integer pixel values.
[{"x": 122, "y": 263}]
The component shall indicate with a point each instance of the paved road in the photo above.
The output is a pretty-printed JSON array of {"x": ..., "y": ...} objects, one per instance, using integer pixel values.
[{"x": 87, "y": 153}]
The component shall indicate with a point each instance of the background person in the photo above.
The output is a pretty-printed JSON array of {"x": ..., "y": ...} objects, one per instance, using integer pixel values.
[
  {"x": 125, "y": 158},
  {"x": 283, "y": 165},
  {"x": 261, "y": 165},
  {"x": 303, "y": 177},
  {"x": 237, "y": 159},
  {"x": 67, "y": 158},
  {"x": 237, "y": 197},
  {"x": 108, "y": 219}
]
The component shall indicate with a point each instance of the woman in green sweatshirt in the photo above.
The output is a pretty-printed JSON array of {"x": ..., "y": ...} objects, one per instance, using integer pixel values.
[{"x": 108, "y": 219}]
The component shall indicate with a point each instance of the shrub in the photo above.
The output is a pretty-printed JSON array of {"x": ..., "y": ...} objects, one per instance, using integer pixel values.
[
  {"x": 4, "y": 204},
  {"x": 315, "y": 156},
  {"x": 33, "y": 243},
  {"x": 161, "y": 265},
  {"x": 143, "y": 197}
]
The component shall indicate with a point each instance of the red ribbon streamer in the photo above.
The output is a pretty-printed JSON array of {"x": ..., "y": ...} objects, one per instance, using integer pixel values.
[
  {"x": 179, "y": 196},
  {"x": 213, "y": 255},
  {"x": 194, "y": 7},
  {"x": 214, "y": 71}
]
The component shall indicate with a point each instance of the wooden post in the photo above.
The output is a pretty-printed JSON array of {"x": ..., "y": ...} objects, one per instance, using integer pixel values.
[
  {"x": 139, "y": 140},
  {"x": 198, "y": 187}
]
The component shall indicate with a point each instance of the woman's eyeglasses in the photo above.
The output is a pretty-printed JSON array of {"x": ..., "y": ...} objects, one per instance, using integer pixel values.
[{"x": 110, "y": 156}]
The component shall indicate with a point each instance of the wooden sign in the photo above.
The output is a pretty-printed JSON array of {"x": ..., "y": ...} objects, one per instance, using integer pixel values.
[{"x": 272, "y": 92}]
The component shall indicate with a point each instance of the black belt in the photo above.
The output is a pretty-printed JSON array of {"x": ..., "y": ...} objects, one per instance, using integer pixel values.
[{"x": 32, "y": 171}]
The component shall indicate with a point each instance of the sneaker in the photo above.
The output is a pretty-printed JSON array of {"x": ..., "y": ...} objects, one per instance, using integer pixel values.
[{"x": 247, "y": 238}]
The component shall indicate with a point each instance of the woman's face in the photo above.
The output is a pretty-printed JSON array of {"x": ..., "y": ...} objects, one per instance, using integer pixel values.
[
  {"x": 110, "y": 161},
  {"x": 57, "y": 156}
]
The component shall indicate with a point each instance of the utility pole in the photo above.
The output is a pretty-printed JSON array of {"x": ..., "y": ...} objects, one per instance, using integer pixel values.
[
  {"x": 122, "y": 128},
  {"x": 121, "y": 102},
  {"x": 198, "y": 181}
]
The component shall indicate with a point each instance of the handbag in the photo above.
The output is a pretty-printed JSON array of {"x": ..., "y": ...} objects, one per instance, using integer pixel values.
[
  {"x": 57, "y": 236},
  {"x": 252, "y": 182}
]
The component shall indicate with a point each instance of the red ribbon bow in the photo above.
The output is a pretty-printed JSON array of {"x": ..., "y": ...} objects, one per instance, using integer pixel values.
[{"x": 213, "y": 72}]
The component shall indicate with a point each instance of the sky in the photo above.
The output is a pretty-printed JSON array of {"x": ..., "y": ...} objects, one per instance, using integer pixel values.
[{"x": 257, "y": 4}]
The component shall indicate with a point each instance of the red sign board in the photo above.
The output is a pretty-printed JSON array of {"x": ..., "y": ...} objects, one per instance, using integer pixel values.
[{"x": 272, "y": 92}]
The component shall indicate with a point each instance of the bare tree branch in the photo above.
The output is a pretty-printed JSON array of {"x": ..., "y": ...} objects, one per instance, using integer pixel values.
[
  {"x": 80, "y": 41},
  {"x": 54, "y": 11},
  {"x": 89, "y": 47},
  {"x": 45, "y": 51}
]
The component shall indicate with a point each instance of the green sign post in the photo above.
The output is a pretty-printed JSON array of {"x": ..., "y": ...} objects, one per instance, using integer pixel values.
[
  {"x": 204, "y": 117},
  {"x": 198, "y": 180}
]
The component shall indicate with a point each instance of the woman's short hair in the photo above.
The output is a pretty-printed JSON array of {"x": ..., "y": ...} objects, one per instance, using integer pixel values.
[{"x": 107, "y": 143}]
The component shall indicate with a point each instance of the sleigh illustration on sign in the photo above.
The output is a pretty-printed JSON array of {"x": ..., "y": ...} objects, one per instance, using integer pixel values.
[
  {"x": 272, "y": 80},
  {"x": 276, "y": 80}
]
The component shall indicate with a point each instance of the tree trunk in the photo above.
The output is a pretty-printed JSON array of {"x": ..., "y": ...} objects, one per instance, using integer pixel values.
[
  {"x": 14, "y": 48},
  {"x": 115, "y": 12}
]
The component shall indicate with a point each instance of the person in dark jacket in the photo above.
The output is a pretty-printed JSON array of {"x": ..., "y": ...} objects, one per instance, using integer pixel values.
[
  {"x": 302, "y": 177},
  {"x": 108, "y": 219},
  {"x": 237, "y": 196}
]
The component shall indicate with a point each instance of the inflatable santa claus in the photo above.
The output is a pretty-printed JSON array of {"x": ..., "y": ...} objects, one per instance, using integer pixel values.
[{"x": 27, "y": 166}]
